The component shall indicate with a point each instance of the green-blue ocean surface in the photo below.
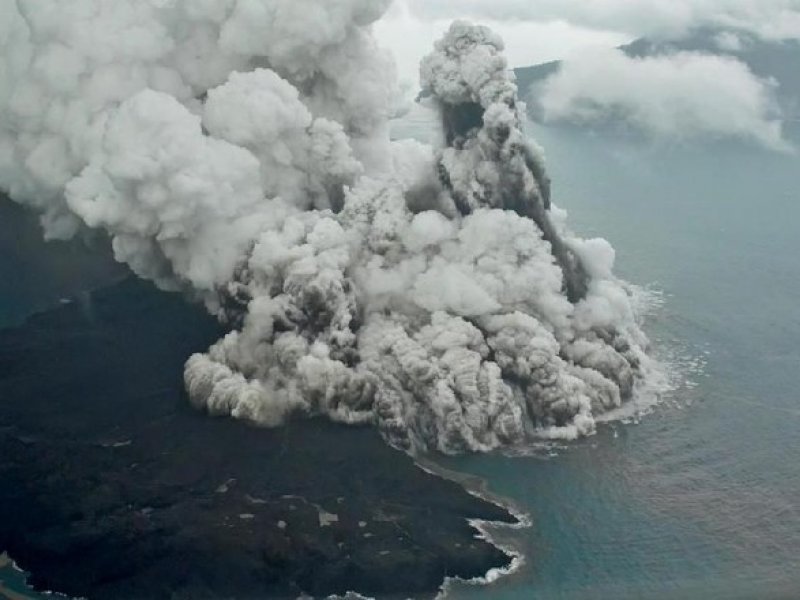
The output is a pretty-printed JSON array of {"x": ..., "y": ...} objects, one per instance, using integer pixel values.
[{"x": 699, "y": 498}]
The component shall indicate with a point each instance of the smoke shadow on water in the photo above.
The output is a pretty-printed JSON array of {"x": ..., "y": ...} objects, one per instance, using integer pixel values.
[{"x": 38, "y": 276}]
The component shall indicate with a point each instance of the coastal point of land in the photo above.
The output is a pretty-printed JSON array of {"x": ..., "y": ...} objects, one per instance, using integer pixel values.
[{"x": 112, "y": 487}]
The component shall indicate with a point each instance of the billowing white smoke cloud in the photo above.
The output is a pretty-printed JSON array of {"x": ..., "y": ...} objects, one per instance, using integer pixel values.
[
  {"x": 93, "y": 83},
  {"x": 679, "y": 96},
  {"x": 238, "y": 150}
]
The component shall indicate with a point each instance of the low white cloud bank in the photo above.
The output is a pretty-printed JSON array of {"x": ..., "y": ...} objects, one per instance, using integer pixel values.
[
  {"x": 682, "y": 96},
  {"x": 410, "y": 35},
  {"x": 774, "y": 19}
]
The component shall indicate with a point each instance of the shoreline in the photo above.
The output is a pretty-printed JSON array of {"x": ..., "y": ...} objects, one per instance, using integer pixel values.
[
  {"x": 7, "y": 593},
  {"x": 479, "y": 488},
  {"x": 121, "y": 490},
  {"x": 472, "y": 484}
]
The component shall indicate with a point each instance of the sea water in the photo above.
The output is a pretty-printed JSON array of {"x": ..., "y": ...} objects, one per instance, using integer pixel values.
[{"x": 701, "y": 497}]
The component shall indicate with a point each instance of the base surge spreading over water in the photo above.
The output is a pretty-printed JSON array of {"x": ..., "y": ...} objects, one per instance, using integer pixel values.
[
  {"x": 239, "y": 151},
  {"x": 698, "y": 500}
]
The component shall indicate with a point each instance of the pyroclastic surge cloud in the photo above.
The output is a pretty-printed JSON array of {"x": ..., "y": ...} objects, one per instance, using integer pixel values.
[{"x": 238, "y": 151}]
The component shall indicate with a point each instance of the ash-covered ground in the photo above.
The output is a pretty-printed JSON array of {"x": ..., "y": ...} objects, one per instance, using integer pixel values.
[{"x": 111, "y": 486}]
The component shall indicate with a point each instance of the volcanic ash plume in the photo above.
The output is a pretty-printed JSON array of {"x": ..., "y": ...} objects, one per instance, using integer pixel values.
[{"x": 238, "y": 151}]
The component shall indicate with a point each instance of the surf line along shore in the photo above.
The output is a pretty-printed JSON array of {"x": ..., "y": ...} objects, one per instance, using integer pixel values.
[
  {"x": 120, "y": 487},
  {"x": 11, "y": 575}
]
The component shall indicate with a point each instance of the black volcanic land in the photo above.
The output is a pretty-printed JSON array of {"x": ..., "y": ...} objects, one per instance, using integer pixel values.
[{"x": 112, "y": 487}]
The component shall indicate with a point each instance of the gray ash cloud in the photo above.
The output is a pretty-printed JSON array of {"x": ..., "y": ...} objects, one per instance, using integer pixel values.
[{"x": 240, "y": 152}]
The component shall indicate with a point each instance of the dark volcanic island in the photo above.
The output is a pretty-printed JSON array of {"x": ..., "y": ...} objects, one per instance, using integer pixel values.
[{"x": 111, "y": 486}]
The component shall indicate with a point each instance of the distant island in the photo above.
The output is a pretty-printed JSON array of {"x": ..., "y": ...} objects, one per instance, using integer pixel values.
[{"x": 778, "y": 60}]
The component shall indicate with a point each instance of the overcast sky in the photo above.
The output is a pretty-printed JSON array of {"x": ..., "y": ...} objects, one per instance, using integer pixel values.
[
  {"x": 541, "y": 30},
  {"x": 410, "y": 31},
  {"x": 676, "y": 97}
]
